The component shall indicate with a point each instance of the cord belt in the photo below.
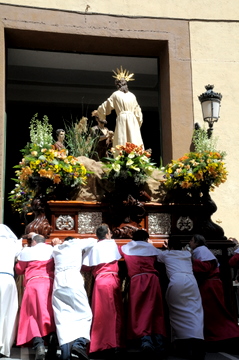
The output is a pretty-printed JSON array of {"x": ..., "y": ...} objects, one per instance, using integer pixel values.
[
  {"x": 7, "y": 273},
  {"x": 37, "y": 277}
]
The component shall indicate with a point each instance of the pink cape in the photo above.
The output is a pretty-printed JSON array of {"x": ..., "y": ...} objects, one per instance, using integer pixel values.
[
  {"x": 145, "y": 310},
  {"x": 107, "y": 309},
  {"x": 36, "y": 313}
]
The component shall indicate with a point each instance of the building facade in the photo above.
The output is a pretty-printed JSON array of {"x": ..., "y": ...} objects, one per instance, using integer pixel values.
[{"x": 193, "y": 43}]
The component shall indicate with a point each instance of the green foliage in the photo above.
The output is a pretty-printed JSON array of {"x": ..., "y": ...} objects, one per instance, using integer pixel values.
[
  {"x": 79, "y": 139},
  {"x": 203, "y": 143},
  {"x": 131, "y": 162},
  {"x": 43, "y": 167},
  {"x": 41, "y": 131}
]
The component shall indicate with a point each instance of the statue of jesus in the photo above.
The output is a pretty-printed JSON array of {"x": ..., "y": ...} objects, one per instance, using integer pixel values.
[{"x": 129, "y": 115}]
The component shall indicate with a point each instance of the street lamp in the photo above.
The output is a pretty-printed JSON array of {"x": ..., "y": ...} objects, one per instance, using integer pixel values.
[{"x": 210, "y": 102}]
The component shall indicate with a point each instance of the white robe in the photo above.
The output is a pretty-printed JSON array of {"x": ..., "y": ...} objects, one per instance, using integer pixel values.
[
  {"x": 10, "y": 247},
  {"x": 129, "y": 117},
  {"x": 182, "y": 295},
  {"x": 71, "y": 308}
]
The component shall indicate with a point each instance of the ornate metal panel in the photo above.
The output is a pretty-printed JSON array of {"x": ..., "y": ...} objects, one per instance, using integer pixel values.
[
  {"x": 65, "y": 222},
  {"x": 159, "y": 223},
  {"x": 184, "y": 223},
  {"x": 88, "y": 222}
]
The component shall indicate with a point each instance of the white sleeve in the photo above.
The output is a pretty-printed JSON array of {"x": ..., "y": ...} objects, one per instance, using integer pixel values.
[
  {"x": 87, "y": 243},
  {"x": 160, "y": 256},
  {"x": 236, "y": 251},
  {"x": 18, "y": 246}
]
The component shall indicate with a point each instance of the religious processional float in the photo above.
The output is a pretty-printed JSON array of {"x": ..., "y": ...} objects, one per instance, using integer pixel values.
[{"x": 127, "y": 180}]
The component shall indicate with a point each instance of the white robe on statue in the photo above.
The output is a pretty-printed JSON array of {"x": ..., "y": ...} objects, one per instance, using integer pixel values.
[
  {"x": 72, "y": 311},
  {"x": 129, "y": 117},
  {"x": 182, "y": 295},
  {"x": 10, "y": 247}
]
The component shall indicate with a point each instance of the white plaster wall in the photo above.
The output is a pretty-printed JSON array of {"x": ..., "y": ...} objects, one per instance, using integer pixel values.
[
  {"x": 215, "y": 60},
  {"x": 182, "y": 9}
]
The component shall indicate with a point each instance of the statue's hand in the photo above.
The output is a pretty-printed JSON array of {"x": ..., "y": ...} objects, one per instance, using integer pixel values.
[{"x": 95, "y": 113}]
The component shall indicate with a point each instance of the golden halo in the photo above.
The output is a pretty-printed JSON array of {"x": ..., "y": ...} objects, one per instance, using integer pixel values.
[{"x": 121, "y": 74}]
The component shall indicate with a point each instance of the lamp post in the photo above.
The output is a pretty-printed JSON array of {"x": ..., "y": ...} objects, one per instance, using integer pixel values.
[{"x": 210, "y": 102}]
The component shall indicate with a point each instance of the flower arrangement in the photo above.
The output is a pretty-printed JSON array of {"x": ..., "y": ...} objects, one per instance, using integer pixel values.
[
  {"x": 131, "y": 162},
  {"x": 195, "y": 170},
  {"x": 40, "y": 164},
  {"x": 204, "y": 167}
]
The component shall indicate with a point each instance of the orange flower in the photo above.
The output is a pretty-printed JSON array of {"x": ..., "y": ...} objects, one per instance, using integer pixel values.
[
  {"x": 186, "y": 184},
  {"x": 183, "y": 158},
  {"x": 56, "y": 179}
]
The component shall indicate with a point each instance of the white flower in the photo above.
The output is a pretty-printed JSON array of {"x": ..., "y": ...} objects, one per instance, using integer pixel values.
[
  {"x": 116, "y": 167},
  {"x": 144, "y": 159},
  {"x": 131, "y": 155},
  {"x": 135, "y": 168},
  {"x": 118, "y": 157},
  {"x": 149, "y": 170},
  {"x": 42, "y": 157},
  {"x": 129, "y": 162}
]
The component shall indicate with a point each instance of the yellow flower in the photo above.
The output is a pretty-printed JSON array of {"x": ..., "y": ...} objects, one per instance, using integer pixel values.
[{"x": 73, "y": 161}]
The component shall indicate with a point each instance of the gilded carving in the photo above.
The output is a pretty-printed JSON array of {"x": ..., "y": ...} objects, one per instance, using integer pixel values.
[
  {"x": 65, "y": 222},
  {"x": 88, "y": 222}
]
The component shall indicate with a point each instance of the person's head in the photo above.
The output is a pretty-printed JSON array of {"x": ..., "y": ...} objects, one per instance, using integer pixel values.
[
  {"x": 121, "y": 85},
  {"x": 103, "y": 232},
  {"x": 68, "y": 238},
  {"x": 197, "y": 240},
  {"x": 140, "y": 235},
  {"x": 60, "y": 133},
  {"x": 174, "y": 243},
  {"x": 29, "y": 238},
  {"x": 37, "y": 239}
]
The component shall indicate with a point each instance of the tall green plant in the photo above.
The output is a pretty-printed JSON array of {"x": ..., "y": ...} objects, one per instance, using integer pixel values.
[
  {"x": 41, "y": 131},
  {"x": 79, "y": 139},
  {"x": 203, "y": 143}
]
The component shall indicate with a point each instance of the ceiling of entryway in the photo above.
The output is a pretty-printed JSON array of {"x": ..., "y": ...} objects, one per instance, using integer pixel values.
[{"x": 72, "y": 78}]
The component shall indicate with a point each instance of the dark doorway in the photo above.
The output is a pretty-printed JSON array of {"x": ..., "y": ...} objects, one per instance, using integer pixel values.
[{"x": 65, "y": 87}]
